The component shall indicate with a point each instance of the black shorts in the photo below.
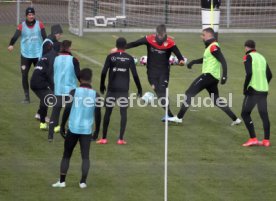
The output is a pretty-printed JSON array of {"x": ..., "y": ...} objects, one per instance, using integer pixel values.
[
  {"x": 27, "y": 62},
  {"x": 116, "y": 98},
  {"x": 160, "y": 82}
]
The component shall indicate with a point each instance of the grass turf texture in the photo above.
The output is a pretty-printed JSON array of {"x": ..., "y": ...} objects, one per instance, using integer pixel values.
[{"x": 206, "y": 159}]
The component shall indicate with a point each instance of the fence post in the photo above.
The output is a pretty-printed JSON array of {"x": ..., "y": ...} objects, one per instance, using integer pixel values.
[
  {"x": 228, "y": 12},
  {"x": 81, "y": 19},
  {"x": 18, "y": 12},
  {"x": 123, "y": 7}
]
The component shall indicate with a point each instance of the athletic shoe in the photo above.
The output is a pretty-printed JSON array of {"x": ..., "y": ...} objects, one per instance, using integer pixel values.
[
  {"x": 37, "y": 116},
  {"x": 102, "y": 141},
  {"x": 265, "y": 143},
  {"x": 174, "y": 119},
  {"x": 82, "y": 185},
  {"x": 164, "y": 118},
  {"x": 59, "y": 185},
  {"x": 251, "y": 142},
  {"x": 236, "y": 122},
  {"x": 43, "y": 126},
  {"x": 121, "y": 142},
  {"x": 57, "y": 129}
]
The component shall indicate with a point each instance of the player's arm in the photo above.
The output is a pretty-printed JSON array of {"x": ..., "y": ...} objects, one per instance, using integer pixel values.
[
  {"x": 49, "y": 73},
  {"x": 66, "y": 113},
  {"x": 42, "y": 30},
  {"x": 195, "y": 61},
  {"x": 16, "y": 35},
  {"x": 104, "y": 72},
  {"x": 98, "y": 117},
  {"x": 76, "y": 67},
  {"x": 178, "y": 54},
  {"x": 141, "y": 41},
  {"x": 248, "y": 72},
  {"x": 268, "y": 73},
  {"x": 216, "y": 52},
  {"x": 136, "y": 77}
]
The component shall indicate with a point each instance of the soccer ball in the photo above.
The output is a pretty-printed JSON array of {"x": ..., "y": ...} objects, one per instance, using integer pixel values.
[
  {"x": 173, "y": 60},
  {"x": 148, "y": 97},
  {"x": 143, "y": 60},
  {"x": 135, "y": 60}
]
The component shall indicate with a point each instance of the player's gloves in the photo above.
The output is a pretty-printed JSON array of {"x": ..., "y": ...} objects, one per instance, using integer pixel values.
[
  {"x": 190, "y": 64},
  {"x": 139, "y": 93},
  {"x": 62, "y": 132},
  {"x": 223, "y": 80},
  {"x": 102, "y": 89}
]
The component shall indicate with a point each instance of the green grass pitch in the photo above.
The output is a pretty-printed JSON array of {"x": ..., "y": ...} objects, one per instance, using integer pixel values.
[{"x": 206, "y": 159}]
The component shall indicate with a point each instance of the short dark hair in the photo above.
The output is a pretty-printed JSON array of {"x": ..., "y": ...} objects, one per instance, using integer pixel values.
[
  {"x": 121, "y": 43},
  {"x": 161, "y": 29},
  {"x": 56, "y": 29},
  {"x": 209, "y": 30},
  {"x": 65, "y": 45},
  {"x": 86, "y": 74},
  {"x": 250, "y": 44}
]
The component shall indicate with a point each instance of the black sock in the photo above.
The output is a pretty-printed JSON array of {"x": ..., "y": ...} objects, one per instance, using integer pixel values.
[
  {"x": 83, "y": 179},
  {"x": 170, "y": 114},
  {"x": 62, "y": 178}
]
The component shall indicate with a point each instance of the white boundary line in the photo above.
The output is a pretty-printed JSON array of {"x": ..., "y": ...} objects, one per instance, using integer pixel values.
[
  {"x": 88, "y": 58},
  {"x": 166, "y": 148}
]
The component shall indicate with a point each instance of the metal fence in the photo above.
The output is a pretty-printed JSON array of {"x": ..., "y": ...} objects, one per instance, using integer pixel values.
[{"x": 234, "y": 13}]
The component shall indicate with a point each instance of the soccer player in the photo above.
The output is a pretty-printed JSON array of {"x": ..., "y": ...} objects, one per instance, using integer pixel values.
[
  {"x": 53, "y": 38},
  {"x": 258, "y": 76},
  {"x": 32, "y": 34},
  {"x": 42, "y": 82},
  {"x": 118, "y": 64},
  {"x": 66, "y": 75},
  {"x": 49, "y": 50},
  {"x": 82, "y": 112},
  {"x": 159, "y": 49},
  {"x": 211, "y": 62}
]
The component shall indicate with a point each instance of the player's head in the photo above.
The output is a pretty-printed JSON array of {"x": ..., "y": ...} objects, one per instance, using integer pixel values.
[
  {"x": 65, "y": 46},
  {"x": 86, "y": 75},
  {"x": 57, "y": 31},
  {"x": 249, "y": 45},
  {"x": 161, "y": 34},
  {"x": 207, "y": 34},
  {"x": 121, "y": 43},
  {"x": 30, "y": 14}
]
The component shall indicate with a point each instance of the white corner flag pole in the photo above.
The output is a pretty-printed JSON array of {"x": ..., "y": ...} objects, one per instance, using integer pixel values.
[{"x": 166, "y": 148}]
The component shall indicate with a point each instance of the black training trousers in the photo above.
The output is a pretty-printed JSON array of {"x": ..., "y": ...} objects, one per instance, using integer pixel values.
[
  {"x": 69, "y": 144},
  {"x": 26, "y": 64},
  {"x": 160, "y": 83},
  {"x": 249, "y": 103},
  {"x": 54, "y": 120},
  {"x": 208, "y": 82},
  {"x": 112, "y": 99},
  {"x": 43, "y": 107}
]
